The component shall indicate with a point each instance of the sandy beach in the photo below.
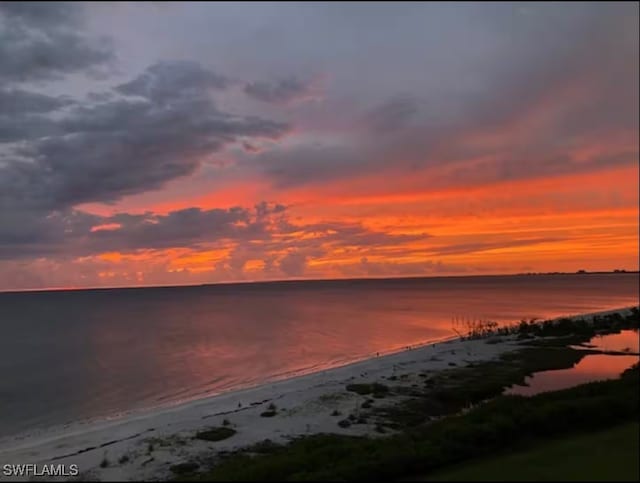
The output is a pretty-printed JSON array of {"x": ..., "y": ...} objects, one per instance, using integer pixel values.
[{"x": 144, "y": 446}]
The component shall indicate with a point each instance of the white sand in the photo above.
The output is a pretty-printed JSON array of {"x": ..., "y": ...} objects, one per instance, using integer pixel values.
[{"x": 304, "y": 406}]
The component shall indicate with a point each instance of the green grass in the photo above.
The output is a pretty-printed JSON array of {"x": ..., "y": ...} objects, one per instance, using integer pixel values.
[{"x": 609, "y": 455}]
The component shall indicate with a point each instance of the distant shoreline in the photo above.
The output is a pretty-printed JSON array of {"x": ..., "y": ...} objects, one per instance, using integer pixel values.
[{"x": 277, "y": 282}]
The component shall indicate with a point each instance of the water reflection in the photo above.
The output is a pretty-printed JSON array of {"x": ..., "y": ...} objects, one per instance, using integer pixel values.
[
  {"x": 68, "y": 356},
  {"x": 625, "y": 341},
  {"x": 592, "y": 367}
]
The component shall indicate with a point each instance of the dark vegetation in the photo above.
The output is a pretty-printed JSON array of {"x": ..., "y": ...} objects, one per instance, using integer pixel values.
[
  {"x": 271, "y": 411},
  {"x": 605, "y": 455},
  {"x": 215, "y": 434},
  {"x": 264, "y": 447},
  {"x": 377, "y": 389},
  {"x": 577, "y": 330},
  {"x": 457, "y": 415},
  {"x": 184, "y": 468},
  {"x": 495, "y": 425}
]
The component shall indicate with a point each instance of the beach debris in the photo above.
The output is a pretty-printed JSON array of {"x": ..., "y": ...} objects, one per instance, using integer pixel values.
[
  {"x": 215, "y": 434},
  {"x": 378, "y": 390},
  {"x": 367, "y": 404},
  {"x": 344, "y": 423},
  {"x": 123, "y": 459},
  {"x": 271, "y": 411}
]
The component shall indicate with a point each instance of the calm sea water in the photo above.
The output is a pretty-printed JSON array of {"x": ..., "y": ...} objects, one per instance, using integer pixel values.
[{"x": 92, "y": 354}]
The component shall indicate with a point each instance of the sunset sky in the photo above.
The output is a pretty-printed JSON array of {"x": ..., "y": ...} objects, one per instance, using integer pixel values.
[{"x": 183, "y": 143}]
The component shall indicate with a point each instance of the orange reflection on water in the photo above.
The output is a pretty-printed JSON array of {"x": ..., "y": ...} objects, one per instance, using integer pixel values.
[
  {"x": 593, "y": 367},
  {"x": 626, "y": 340}
]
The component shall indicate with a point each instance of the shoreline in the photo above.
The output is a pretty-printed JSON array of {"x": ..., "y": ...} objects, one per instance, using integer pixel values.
[
  {"x": 44, "y": 435},
  {"x": 305, "y": 404}
]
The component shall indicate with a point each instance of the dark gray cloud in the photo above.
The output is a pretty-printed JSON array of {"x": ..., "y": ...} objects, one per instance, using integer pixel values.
[
  {"x": 171, "y": 79},
  {"x": 184, "y": 228},
  {"x": 281, "y": 92},
  {"x": 73, "y": 232},
  {"x": 562, "y": 77},
  {"x": 105, "y": 150},
  {"x": 44, "y": 40},
  {"x": 23, "y": 127},
  {"x": 28, "y": 234},
  {"x": 24, "y": 114},
  {"x": 45, "y": 15},
  {"x": 311, "y": 163},
  {"x": 257, "y": 233},
  {"x": 56, "y": 154},
  {"x": 392, "y": 115},
  {"x": 17, "y": 102}
]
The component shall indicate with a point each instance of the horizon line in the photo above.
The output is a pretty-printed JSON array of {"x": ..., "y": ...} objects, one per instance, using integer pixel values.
[{"x": 294, "y": 280}]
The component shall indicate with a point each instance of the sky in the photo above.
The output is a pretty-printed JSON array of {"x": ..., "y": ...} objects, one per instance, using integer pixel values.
[{"x": 170, "y": 143}]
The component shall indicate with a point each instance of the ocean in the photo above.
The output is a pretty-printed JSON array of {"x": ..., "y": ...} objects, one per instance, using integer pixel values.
[{"x": 87, "y": 355}]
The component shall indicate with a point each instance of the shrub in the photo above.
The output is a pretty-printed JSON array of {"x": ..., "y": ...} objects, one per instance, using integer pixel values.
[
  {"x": 367, "y": 404},
  {"x": 215, "y": 434},
  {"x": 344, "y": 423}
]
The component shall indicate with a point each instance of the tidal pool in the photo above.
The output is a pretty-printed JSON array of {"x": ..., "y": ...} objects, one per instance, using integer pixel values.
[{"x": 592, "y": 367}]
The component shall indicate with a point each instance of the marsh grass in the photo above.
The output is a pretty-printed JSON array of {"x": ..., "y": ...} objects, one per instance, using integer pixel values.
[{"x": 578, "y": 329}]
